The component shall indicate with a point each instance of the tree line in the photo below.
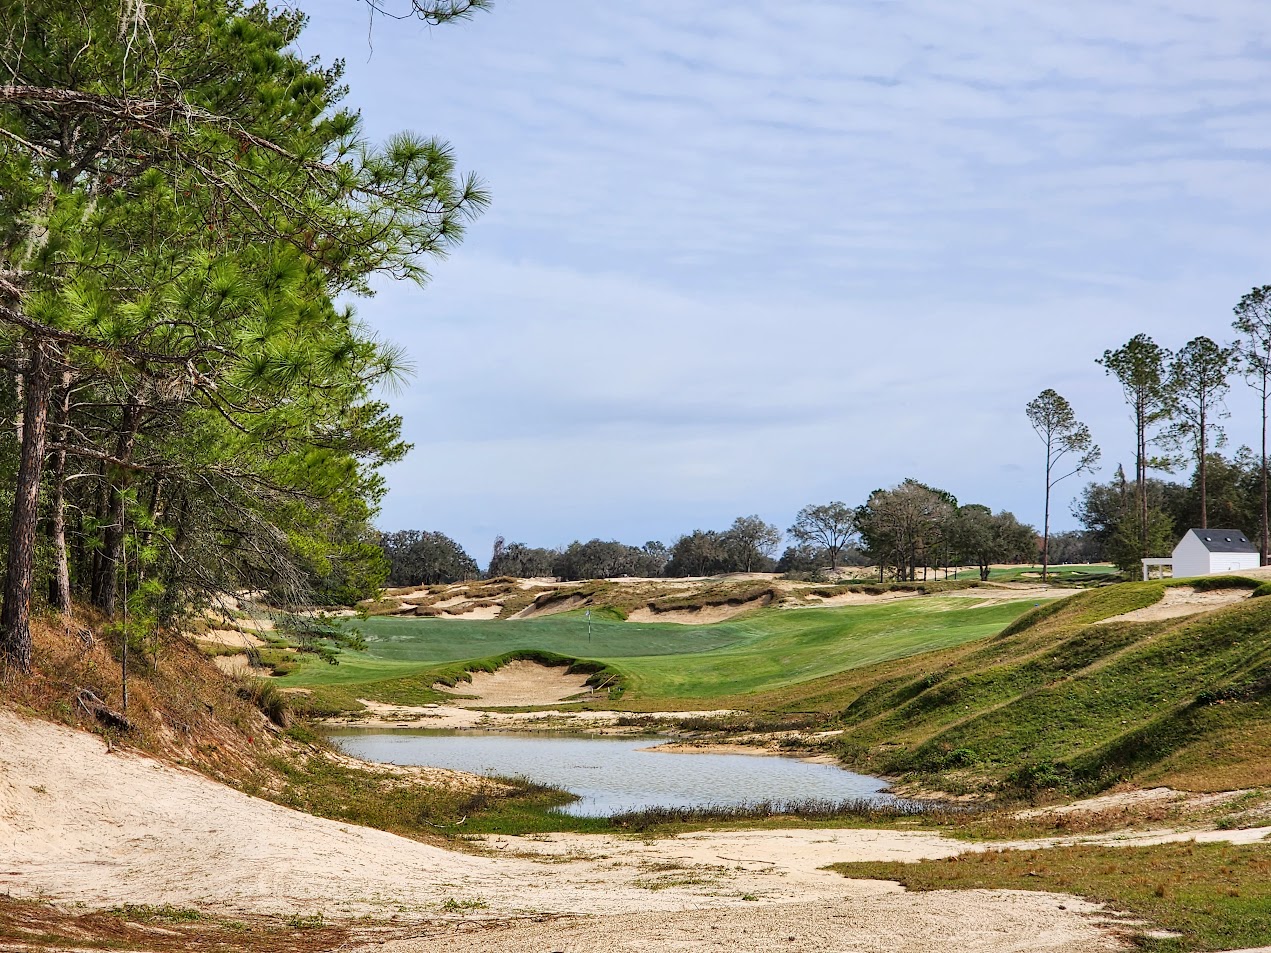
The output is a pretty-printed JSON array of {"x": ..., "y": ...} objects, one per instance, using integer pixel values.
[
  {"x": 906, "y": 531},
  {"x": 1177, "y": 404},
  {"x": 185, "y": 201}
]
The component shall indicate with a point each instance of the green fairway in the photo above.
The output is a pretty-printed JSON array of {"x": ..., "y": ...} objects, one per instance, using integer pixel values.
[
  {"x": 759, "y": 652},
  {"x": 1075, "y": 572}
]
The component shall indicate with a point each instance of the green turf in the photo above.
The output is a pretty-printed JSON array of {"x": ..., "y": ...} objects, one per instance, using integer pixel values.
[
  {"x": 760, "y": 652},
  {"x": 1054, "y": 701},
  {"x": 1062, "y": 573}
]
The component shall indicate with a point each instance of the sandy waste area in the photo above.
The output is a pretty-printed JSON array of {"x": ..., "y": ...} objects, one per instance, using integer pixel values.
[
  {"x": 82, "y": 824},
  {"x": 1181, "y": 601}
]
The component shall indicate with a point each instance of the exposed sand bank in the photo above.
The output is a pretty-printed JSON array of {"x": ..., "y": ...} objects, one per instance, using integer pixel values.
[{"x": 1182, "y": 601}]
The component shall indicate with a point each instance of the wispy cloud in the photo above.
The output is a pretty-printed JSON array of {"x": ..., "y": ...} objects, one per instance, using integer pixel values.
[{"x": 743, "y": 257}]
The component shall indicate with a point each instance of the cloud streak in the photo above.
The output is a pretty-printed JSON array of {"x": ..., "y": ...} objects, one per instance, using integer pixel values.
[{"x": 743, "y": 258}]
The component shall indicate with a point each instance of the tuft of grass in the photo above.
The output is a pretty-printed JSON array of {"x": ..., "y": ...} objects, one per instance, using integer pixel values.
[
  {"x": 1216, "y": 896},
  {"x": 147, "y": 913},
  {"x": 266, "y": 696},
  {"x": 867, "y": 811}
]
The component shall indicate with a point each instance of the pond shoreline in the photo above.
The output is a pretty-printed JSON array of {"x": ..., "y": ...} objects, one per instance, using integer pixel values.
[{"x": 611, "y": 774}]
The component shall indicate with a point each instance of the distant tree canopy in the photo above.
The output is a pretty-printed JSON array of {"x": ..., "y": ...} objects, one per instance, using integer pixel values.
[
  {"x": 600, "y": 559},
  {"x": 907, "y": 528},
  {"x": 1074, "y": 546},
  {"x": 980, "y": 537},
  {"x": 749, "y": 545},
  {"x": 517, "y": 559},
  {"x": 418, "y": 558}
]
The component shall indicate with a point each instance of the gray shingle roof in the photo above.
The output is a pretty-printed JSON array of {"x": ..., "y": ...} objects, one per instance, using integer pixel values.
[{"x": 1225, "y": 540}]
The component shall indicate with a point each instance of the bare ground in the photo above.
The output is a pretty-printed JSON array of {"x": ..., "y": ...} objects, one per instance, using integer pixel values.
[
  {"x": 1182, "y": 601},
  {"x": 82, "y": 824}
]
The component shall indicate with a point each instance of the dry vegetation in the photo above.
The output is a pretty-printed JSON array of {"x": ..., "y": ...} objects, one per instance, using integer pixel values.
[{"x": 634, "y": 599}]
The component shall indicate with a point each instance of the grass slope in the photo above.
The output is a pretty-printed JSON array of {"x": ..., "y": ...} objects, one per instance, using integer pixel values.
[
  {"x": 661, "y": 664},
  {"x": 1053, "y": 701}
]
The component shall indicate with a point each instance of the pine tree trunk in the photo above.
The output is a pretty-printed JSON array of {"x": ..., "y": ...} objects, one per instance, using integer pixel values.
[
  {"x": 1264, "y": 542},
  {"x": 15, "y": 615},
  {"x": 1046, "y": 514},
  {"x": 1204, "y": 503},
  {"x": 113, "y": 543},
  {"x": 1140, "y": 474},
  {"x": 60, "y": 581}
]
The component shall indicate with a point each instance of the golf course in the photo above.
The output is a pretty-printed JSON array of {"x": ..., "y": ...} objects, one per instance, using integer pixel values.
[{"x": 663, "y": 665}]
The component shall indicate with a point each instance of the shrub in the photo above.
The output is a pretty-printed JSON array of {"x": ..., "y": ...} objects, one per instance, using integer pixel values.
[{"x": 266, "y": 696}]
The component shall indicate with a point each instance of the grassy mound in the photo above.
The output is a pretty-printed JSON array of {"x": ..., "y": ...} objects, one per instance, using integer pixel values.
[{"x": 1056, "y": 702}]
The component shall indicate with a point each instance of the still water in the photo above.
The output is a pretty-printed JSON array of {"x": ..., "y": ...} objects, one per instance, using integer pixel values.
[{"x": 611, "y": 775}]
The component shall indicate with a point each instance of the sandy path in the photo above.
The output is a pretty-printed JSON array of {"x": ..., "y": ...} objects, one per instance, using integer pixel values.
[
  {"x": 1180, "y": 601},
  {"x": 974, "y": 922},
  {"x": 80, "y": 824}
]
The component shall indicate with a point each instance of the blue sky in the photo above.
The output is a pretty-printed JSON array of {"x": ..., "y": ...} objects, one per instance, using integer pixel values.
[{"x": 744, "y": 257}]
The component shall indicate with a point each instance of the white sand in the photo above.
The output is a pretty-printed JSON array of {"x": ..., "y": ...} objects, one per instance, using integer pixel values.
[
  {"x": 230, "y": 637},
  {"x": 80, "y": 824},
  {"x": 519, "y": 683},
  {"x": 1181, "y": 601}
]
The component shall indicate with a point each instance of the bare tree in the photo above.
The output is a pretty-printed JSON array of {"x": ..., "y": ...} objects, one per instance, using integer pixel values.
[{"x": 1065, "y": 436}]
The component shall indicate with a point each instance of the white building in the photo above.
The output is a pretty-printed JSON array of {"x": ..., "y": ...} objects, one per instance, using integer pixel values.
[{"x": 1206, "y": 552}]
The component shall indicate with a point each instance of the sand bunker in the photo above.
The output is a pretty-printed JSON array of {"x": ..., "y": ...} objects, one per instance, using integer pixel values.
[
  {"x": 1181, "y": 601},
  {"x": 230, "y": 637},
  {"x": 517, "y": 684},
  {"x": 554, "y": 607},
  {"x": 484, "y": 613},
  {"x": 706, "y": 615}
]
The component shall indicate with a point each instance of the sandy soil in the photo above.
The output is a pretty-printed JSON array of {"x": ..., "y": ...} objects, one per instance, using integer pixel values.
[
  {"x": 519, "y": 683},
  {"x": 230, "y": 637},
  {"x": 552, "y": 608},
  {"x": 1180, "y": 601},
  {"x": 476, "y": 612},
  {"x": 380, "y": 715},
  {"x": 1139, "y": 797},
  {"x": 81, "y": 824},
  {"x": 703, "y": 616},
  {"x": 234, "y": 665}
]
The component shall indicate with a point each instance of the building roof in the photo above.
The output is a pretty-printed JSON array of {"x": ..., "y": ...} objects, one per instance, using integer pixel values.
[{"x": 1224, "y": 540}]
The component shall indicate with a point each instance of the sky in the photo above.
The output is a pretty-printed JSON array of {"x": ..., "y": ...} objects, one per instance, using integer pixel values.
[{"x": 745, "y": 257}]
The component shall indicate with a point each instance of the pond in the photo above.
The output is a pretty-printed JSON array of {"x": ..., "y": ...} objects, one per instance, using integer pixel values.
[{"x": 612, "y": 775}]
